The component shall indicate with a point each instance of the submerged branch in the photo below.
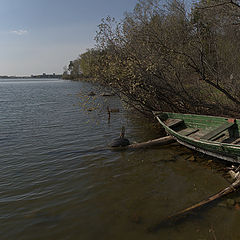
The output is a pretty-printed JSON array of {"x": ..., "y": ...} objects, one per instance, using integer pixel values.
[{"x": 176, "y": 217}]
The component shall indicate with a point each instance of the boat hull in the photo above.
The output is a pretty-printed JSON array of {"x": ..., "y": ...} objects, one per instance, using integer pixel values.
[{"x": 229, "y": 152}]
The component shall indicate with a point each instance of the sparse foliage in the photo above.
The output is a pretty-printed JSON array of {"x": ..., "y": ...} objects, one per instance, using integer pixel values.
[{"x": 160, "y": 57}]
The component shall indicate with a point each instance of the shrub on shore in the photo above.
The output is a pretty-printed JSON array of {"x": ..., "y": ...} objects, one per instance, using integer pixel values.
[{"x": 168, "y": 58}]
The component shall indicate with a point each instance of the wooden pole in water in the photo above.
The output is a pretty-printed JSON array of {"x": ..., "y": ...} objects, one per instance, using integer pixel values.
[
  {"x": 231, "y": 188},
  {"x": 109, "y": 114},
  {"x": 122, "y": 134}
]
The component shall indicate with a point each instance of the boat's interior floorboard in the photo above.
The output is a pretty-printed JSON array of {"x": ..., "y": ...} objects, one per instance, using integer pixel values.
[
  {"x": 220, "y": 137},
  {"x": 188, "y": 131},
  {"x": 219, "y": 134},
  {"x": 198, "y": 134},
  {"x": 215, "y": 132},
  {"x": 172, "y": 123},
  {"x": 236, "y": 141}
]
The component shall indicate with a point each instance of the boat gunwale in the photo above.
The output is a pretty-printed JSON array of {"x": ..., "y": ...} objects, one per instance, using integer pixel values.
[
  {"x": 190, "y": 115},
  {"x": 208, "y": 142}
]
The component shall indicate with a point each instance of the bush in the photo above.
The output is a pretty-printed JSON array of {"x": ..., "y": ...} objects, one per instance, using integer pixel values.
[{"x": 160, "y": 57}]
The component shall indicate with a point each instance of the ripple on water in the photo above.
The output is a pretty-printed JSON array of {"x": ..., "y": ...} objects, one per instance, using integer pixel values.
[{"x": 59, "y": 181}]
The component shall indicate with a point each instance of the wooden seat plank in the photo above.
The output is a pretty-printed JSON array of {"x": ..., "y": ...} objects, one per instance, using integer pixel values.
[
  {"x": 188, "y": 131},
  {"x": 171, "y": 123},
  {"x": 215, "y": 132},
  {"x": 219, "y": 136},
  {"x": 236, "y": 141}
]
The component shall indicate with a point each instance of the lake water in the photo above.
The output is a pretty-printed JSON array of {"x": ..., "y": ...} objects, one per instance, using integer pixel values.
[{"x": 59, "y": 181}]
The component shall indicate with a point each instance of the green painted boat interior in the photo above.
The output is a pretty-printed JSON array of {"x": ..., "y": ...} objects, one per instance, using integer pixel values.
[
  {"x": 198, "y": 121},
  {"x": 202, "y": 127}
]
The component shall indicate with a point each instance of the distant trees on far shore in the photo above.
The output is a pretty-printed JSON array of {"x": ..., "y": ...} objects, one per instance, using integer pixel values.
[{"x": 44, "y": 75}]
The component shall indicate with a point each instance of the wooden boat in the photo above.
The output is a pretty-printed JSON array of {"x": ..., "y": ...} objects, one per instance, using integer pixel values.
[{"x": 215, "y": 136}]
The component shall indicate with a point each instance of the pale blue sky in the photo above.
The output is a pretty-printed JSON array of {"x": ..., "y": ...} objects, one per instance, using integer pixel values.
[{"x": 39, "y": 36}]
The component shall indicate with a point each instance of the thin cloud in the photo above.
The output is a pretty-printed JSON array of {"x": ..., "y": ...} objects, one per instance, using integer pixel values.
[{"x": 19, "y": 32}]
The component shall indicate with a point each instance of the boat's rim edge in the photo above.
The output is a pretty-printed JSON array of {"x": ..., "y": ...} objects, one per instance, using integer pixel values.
[
  {"x": 195, "y": 140},
  {"x": 155, "y": 113}
]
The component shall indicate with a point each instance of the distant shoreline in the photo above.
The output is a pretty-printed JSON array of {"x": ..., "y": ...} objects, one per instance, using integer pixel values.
[{"x": 33, "y": 76}]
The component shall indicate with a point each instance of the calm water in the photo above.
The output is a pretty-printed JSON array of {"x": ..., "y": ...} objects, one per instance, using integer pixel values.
[{"x": 58, "y": 181}]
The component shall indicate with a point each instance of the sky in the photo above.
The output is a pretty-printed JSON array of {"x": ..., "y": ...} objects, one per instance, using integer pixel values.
[{"x": 42, "y": 36}]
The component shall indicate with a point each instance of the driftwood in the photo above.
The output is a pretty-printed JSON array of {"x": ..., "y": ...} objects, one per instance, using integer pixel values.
[
  {"x": 151, "y": 143},
  {"x": 174, "y": 218}
]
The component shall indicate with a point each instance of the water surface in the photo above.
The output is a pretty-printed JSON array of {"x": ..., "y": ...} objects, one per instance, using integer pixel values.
[{"x": 58, "y": 180}]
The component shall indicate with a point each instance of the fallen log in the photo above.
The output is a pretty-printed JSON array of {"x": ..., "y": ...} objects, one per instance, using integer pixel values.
[
  {"x": 151, "y": 143},
  {"x": 123, "y": 143},
  {"x": 176, "y": 217}
]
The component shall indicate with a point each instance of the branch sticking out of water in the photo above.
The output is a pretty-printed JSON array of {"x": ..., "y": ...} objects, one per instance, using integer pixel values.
[{"x": 183, "y": 213}]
